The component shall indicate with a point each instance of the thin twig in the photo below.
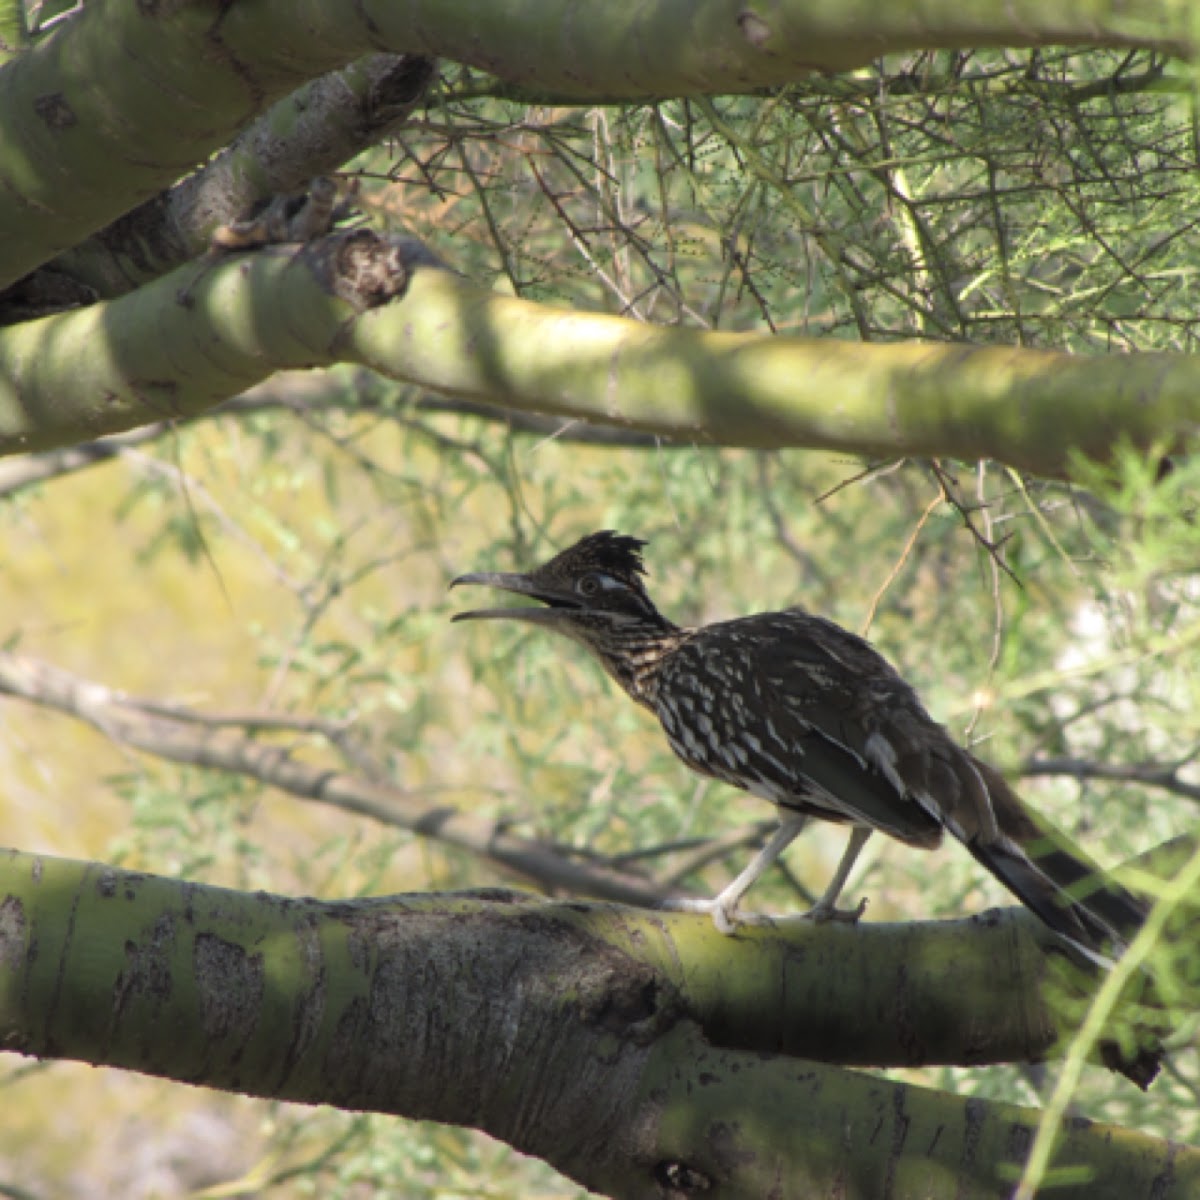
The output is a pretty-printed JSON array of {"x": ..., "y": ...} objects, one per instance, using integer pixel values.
[
  {"x": 985, "y": 512},
  {"x": 1151, "y": 774},
  {"x": 898, "y": 566},
  {"x": 129, "y": 722},
  {"x": 993, "y": 548}
]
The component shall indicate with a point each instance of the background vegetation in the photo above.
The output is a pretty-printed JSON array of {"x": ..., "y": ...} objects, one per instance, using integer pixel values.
[{"x": 290, "y": 552}]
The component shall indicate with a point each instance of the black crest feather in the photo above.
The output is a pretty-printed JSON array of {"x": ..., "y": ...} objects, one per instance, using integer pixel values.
[{"x": 617, "y": 554}]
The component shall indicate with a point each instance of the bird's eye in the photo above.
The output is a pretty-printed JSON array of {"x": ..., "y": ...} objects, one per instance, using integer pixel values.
[{"x": 589, "y": 585}]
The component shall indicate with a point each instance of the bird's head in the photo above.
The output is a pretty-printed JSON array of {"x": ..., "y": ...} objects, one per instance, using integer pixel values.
[{"x": 592, "y": 592}]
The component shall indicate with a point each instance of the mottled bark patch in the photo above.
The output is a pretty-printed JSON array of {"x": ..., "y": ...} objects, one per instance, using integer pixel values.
[
  {"x": 13, "y": 933},
  {"x": 367, "y": 270},
  {"x": 230, "y": 982},
  {"x": 147, "y": 970},
  {"x": 55, "y": 111}
]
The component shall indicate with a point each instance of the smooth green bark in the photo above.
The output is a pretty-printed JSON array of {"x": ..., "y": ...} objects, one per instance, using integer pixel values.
[
  {"x": 181, "y": 78},
  {"x": 310, "y": 132},
  {"x": 202, "y": 334},
  {"x": 1027, "y": 408},
  {"x": 615, "y": 51},
  {"x": 811, "y": 1132},
  {"x": 114, "y": 105},
  {"x": 184, "y": 343},
  {"x": 542, "y": 1024},
  {"x": 14, "y": 32}
]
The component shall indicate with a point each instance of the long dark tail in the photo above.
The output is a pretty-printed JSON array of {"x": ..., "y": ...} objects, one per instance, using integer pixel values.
[
  {"x": 1052, "y": 884},
  {"x": 1072, "y": 895},
  {"x": 1054, "y": 878}
]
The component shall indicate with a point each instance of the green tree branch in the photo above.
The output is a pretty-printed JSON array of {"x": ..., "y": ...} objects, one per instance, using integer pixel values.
[
  {"x": 796, "y": 988},
  {"x": 190, "y": 340},
  {"x": 185, "y": 343},
  {"x": 180, "y": 79},
  {"x": 311, "y": 132},
  {"x": 556, "y": 1028}
]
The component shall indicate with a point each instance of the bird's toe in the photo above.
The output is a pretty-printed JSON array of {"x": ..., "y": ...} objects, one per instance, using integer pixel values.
[{"x": 820, "y": 913}]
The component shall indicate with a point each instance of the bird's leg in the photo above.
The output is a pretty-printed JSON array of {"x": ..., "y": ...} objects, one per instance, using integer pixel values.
[
  {"x": 724, "y": 905},
  {"x": 825, "y": 909}
]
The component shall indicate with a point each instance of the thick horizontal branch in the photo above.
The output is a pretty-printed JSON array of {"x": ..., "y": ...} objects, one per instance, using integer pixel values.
[
  {"x": 224, "y": 742},
  {"x": 184, "y": 343},
  {"x": 568, "y": 1031},
  {"x": 190, "y": 340},
  {"x": 907, "y": 962},
  {"x": 1156, "y": 80},
  {"x": 606, "y": 52},
  {"x": 309, "y": 133},
  {"x": 181, "y": 78},
  {"x": 1028, "y": 408}
]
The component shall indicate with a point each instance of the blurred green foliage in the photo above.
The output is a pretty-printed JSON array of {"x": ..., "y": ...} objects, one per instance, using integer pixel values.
[{"x": 295, "y": 559}]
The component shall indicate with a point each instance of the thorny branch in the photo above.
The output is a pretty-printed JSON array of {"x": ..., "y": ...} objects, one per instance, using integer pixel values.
[{"x": 992, "y": 547}]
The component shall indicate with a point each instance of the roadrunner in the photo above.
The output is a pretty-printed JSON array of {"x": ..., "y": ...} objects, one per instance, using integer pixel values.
[{"x": 797, "y": 710}]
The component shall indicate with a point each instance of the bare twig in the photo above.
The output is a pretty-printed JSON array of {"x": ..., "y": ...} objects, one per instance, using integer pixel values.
[
  {"x": 709, "y": 850},
  {"x": 1152, "y": 774},
  {"x": 985, "y": 514},
  {"x": 783, "y": 534},
  {"x": 171, "y": 732},
  {"x": 17, "y": 474},
  {"x": 898, "y": 566},
  {"x": 993, "y": 548}
]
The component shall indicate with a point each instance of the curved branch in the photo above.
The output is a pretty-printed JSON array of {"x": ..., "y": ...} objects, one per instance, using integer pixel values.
[
  {"x": 309, "y": 133},
  {"x": 222, "y": 742},
  {"x": 188, "y": 341}
]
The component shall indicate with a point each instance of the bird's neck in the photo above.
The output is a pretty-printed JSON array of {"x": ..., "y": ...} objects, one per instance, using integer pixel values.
[{"x": 635, "y": 657}]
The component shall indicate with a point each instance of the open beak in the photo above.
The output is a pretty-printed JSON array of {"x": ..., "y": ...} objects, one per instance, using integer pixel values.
[{"x": 558, "y": 604}]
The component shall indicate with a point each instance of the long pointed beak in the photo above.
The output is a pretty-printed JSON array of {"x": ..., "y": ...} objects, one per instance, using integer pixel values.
[{"x": 561, "y": 603}]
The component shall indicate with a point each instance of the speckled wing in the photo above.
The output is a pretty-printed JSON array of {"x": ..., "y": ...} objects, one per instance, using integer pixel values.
[{"x": 797, "y": 710}]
